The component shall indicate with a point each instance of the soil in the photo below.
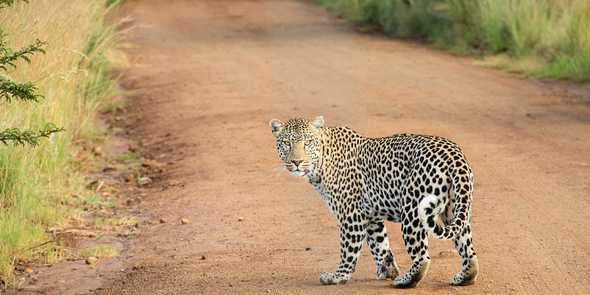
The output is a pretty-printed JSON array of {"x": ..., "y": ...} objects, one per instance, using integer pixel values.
[{"x": 207, "y": 76}]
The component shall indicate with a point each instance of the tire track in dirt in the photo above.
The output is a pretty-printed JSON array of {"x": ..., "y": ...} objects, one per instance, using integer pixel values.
[{"x": 211, "y": 74}]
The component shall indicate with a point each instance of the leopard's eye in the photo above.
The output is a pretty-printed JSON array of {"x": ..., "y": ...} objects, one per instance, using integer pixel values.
[{"x": 284, "y": 143}]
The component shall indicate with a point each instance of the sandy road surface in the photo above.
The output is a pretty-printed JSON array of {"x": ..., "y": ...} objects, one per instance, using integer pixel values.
[{"x": 209, "y": 76}]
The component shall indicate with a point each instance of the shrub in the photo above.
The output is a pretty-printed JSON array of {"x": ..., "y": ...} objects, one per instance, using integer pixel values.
[{"x": 554, "y": 32}]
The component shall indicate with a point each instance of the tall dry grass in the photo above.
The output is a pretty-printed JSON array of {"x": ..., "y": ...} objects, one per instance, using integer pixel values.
[
  {"x": 36, "y": 182},
  {"x": 544, "y": 38}
]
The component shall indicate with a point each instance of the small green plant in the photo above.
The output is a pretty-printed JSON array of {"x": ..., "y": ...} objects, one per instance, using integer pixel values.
[
  {"x": 106, "y": 223},
  {"x": 99, "y": 251},
  {"x": 129, "y": 157},
  {"x": 95, "y": 201}
]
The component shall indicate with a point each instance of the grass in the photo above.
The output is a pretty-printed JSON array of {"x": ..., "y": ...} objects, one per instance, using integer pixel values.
[
  {"x": 94, "y": 201},
  {"x": 73, "y": 75},
  {"x": 115, "y": 223},
  {"x": 542, "y": 38},
  {"x": 129, "y": 157},
  {"x": 99, "y": 251}
]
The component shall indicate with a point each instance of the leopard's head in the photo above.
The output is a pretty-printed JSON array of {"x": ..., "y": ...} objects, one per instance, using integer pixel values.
[{"x": 298, "y": 143}]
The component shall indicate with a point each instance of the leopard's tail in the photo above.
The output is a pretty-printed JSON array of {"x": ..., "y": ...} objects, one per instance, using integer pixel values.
[{"x": 459, "y": 197}]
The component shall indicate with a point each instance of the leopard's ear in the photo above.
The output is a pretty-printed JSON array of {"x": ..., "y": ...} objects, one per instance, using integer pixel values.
[
  {"x": 276, "y": 126},
  {"x": 318, "y": 122}
]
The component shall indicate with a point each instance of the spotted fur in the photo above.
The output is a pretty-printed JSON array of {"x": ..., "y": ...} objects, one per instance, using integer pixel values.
[{"x": 423, "y": 182}]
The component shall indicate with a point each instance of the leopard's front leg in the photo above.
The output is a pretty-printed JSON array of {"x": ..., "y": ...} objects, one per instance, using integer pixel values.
[{"x": 352, "y": 237}]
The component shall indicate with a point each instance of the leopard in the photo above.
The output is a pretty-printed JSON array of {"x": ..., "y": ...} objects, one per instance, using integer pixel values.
[{"x": 423, "y": 182}]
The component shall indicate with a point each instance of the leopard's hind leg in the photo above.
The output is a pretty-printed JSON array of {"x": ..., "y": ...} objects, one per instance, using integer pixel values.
[
  {"x": 416, "y": 241},
  {"x": 379, "y": 244},
  {"x": 469, "y": 263}
]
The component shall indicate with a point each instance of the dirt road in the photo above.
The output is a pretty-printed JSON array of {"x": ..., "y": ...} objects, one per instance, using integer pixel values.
[{"x": 209, "y": 75}]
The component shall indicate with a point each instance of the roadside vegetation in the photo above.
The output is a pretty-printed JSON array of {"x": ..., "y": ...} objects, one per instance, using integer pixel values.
[
  {"x": 541, "y": 38},
  {"x": 38, "y": 183}
]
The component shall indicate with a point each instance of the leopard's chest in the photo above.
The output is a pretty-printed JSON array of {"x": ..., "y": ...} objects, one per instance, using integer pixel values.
[{"x": 328, "y": 197}]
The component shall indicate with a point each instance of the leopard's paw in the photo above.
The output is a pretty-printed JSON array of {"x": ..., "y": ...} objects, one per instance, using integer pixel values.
[
  {"x": 389, "y": 268},
  {"x": 468, "y": 275},
  {"x": 387, "y": 272},
  {"x": 330, "y": 278},
  {"x": 412, "y": 277},
  {"x": 405, "y": 281}
]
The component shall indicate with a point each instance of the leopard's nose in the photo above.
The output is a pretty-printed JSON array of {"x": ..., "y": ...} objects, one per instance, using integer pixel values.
[{"x": 296, "y": 162}]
